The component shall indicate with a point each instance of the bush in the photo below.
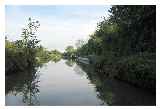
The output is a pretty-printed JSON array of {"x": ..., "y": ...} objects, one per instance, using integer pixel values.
[
  {"x": 139, "y": 70},
  {"x": 15, "y": 60}
]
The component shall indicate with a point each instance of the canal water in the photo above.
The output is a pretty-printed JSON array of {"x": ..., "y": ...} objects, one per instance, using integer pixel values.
[{"x": 66, "y": 83}]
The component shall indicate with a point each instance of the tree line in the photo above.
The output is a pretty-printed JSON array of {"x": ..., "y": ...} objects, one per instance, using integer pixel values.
[
  {"x": 124, "y": 45},
  {"x": 27, "y": 52}
]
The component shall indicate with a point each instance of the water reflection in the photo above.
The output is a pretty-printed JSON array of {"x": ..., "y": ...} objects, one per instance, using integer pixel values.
[
  {"x": 24, "y": 84},
  {"x": 116, "y": 92},
  {"x": 79, "y": 70},
  {"x": 70, "y": 62},
  {"x": 55, "y": 60},
  {"x": 108, "y": 91}
]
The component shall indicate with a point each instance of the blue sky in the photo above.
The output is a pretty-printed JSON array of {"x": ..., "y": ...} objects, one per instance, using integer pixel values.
[{"x": 60, "y": 25}]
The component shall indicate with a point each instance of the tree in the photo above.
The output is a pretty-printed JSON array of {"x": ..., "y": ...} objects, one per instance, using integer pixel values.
[
  {"x": 69, "y": 49},
  {"x": 70, "y": 52},
  {"x": 29, "y": 38},
  {"x": 124, "y": 44},
  {"x": 79, "y": 43}
]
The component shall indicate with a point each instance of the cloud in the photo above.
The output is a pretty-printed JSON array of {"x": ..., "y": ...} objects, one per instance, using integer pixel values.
[{"x": 60, "y": 25}]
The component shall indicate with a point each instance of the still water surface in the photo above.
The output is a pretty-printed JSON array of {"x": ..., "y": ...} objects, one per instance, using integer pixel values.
[{"x": 68, "y": 83}]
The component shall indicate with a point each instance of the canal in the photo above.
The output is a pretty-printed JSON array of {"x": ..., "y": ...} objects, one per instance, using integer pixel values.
[{"x": 66, "y": 83}]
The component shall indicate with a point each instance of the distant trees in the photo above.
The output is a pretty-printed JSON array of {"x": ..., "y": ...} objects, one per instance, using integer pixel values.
[
  {"x": 80, "y": 43},
  {"x": 42, "y": 54},
  {"x": 55, "y": 55},
  {"x": 70, "y": 52},
  {"x": 69, "y": 49}
]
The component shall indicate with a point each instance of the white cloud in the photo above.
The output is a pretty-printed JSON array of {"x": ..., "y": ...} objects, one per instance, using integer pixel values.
[{"x": 56, "y": 32}]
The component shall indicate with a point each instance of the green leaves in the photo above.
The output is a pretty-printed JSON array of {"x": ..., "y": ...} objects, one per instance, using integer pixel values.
[
  {"x": 29, "y": 37},
  {"x": 22, "y": 53},
  {"x": 118, "y": 39}
]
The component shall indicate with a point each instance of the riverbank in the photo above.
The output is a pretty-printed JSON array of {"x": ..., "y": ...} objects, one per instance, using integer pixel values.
[
  {"x": 122, "y": 48},
  {"x": 113, "y": 90},
  {"x": 138, "y": 70}
]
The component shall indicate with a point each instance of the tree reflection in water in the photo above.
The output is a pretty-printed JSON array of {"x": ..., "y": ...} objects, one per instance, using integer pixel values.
[
  {"x": 116, "y": 92},
  {"x": 55, "y": 60},
  {"x": 79, "y": 70},
  {"x": 25, "y": 84},
  {"x": 76, "y": 68},
  {"x": 70, "y": 62},
  {"x": 110, "y": 91}
]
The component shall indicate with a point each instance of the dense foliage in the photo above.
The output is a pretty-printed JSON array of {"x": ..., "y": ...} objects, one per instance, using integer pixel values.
[
  {"x": 124, "y": 44},
  {"x": 70, "y": 52},
  {"x": 21, "y": 54},
  {"x": 27, "y": 52}
]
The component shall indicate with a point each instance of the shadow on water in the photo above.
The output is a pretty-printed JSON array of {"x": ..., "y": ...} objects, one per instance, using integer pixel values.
[{"x": 116, "y": 92}]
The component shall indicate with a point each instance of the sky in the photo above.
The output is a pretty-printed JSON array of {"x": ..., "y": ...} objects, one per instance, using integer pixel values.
[{"x": 60, "y": 25}]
